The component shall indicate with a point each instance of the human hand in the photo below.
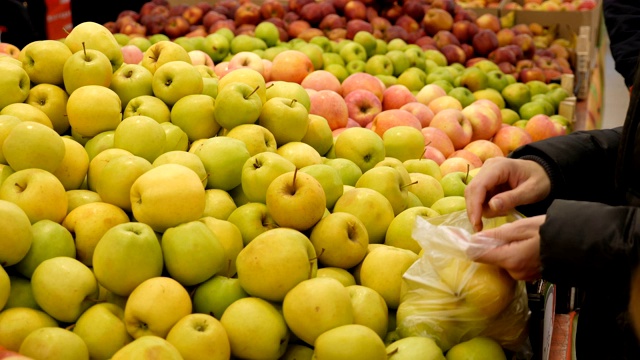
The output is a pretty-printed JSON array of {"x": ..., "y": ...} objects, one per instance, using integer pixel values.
[
  {"x": 520, "y": 254},
  {"x": 501, "y": 185}
]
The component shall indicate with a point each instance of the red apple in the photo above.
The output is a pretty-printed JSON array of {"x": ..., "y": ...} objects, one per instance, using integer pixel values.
[
  {"x": 414, "y": 8},
  {"x": 332, "y": 21},
  {"x": 363, "y": 80},
  {"x": 488, "y": 21},
  {"x": 330, "y": 105},
  {"x": 435, "y": 20},
  {"x": 193, "y": 14},
  {"x": 362, "y": 106},
  {"x": 408, "y": 23},
  {"x": 176, "y": 26},
  {"x": 272, "y": 9},
  {"x": 455, "y": 125},
  {"x": 226, "y": 23},
  {"x": 291, "y": 65},
  {"x": 356, "y": 25},
  {"x": 454, "y": 54},
  {"x": 509, "y": 138},
  {"x": 420, "y": 111},
  {"x": 438, "y": 139},
  {"x": 484, "y": 42},
  {"x": 211, "y": 17},
  {"x": 445, "y": 37},
  {"x": 464, "y": 30},
  {"x": 471, "y": 157},
  {"x": 395, "y": 96},
  {"x": 387, "y": 119},
  {"x": 355, "y": 9}
]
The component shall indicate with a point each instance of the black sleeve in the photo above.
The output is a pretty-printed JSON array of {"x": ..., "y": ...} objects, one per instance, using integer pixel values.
[
  {"x": 622, "y": 21},
  {"x": 584, "y": 243},
  {"x": 17, "y": 26},
  {"x": 581, "y": 166}
]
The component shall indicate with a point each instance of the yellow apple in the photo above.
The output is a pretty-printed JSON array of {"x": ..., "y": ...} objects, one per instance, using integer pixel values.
[
  {"x": 148, "y": 347},
  {"x": 16, "y": 226},
  {"x": 73, "y": 169},
  {"x": 256, "y": 329},
  {"x": 369, "y": 309},
  {"x": 105, "y": 112},
  {"x": 79, "y": 197},
  {"x": 480, "y": 348},
  {"x": 52, "y": 100},
  {"x": 230, "y": 238},
  {"x": 363, "y": 343},
  {"x": 33, "y": 145},
  {"x": 54, "y": 343},
  {"x": 274, "y": 262},
  {"x": 50, "y": 239},
  {"x": 5, "y": 287},
  {"x": 64, "y": 287},
  {"x": 88, "y": 223},
  {"x": 38, "y": 192},
  {"x": 99, "y": 161},
  {"x": 102, "y": 328},
  {"x": 340, "y": 274},
  {"x": 199, "y": 336},
  {"x": 218, "y": 204},
  {"x": 414, "y": 347},
  {"x": 95, "y": 36},
  {"x": 17, "y": 323},
  {"x": 117, "y": 178},
  {"x": 371, "y": 207},
  {"x": 166, "y": 196},
  {"x": 154, "y": 306},
  {"x": 340, "y": 240}
]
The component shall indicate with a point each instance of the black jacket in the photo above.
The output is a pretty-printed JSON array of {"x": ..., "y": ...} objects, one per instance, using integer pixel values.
[
  {"x": 622, "y": 21},
  {"x": 592, "y": 230}
]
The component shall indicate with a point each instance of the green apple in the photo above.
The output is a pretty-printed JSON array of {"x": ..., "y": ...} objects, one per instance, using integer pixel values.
[
  {"x": 271, "y": 52},
  {"x": 32, "y": 145},
  {"x": 486, "y": 65},
  {"x": 535, "y": 107},
  {"x": 285, "y": 250},
  {"x": 257, "y": 138},
  {"x": 117, "y": 177},
  {"x": 379, "y": 64},
  {"x": 163, "y": 52},
  {"x": 15, "y": 84},
  {"x": 329, "y": 58},
  {"x": 362, "y": 146},
  {"x": 105, "y": 112},
  {"x": 296, "y": 200},
  {"x": 516, "y": 95},
  {"x": 99, "y": 160},
  {"x": 454, "y": 183},
  {"x": 174, "y": 80},
  {"x": 50, "y": 239},
  {"x": 79, "y": 197},
  {"x": 246, "y": 75},
  {"x": 148, "y": 105},
  {"x": 214, "y": 295},
  {"x": 173, "y": 195},
  {"x": 400, "y": 230},
  {"x": 194, "y": 114},
  {"x": 426, "y": 187},
  {"x": 324, "y": 42},
  {"x": 131, "y": 130},
  {"x": 297, "y": 352},
  {"x": 176, "y": 138},
  {"x": 43, "y": 60},
  {"x": 7, "y": 122},
  {"x": 200, "y": 335},
  {"x": 128, "y": 248},
  {"x": 192, "y": 253},
  {"x": 141, "y": 42},
  {"x": 52, "y": 100},
  {"x": 397, "y": 44},
  {"x": 252, "y": 219},
  {"x": 5, "y": 287},
  {"x": 17, "y": 323},
  {"x": 300, "y": 154},
  {"x": 330, "y": 180},
  {"x": 338, "y": 70},
  {"x": 413, "y": 347},
  {"x": 353, "y": 51},
  {"x": 54, "y": 342},
  {"x": 245, "y": 42},
  {"x": 369, "y": 309},
  {"x": 314, "y": 52},
  {"x": 154, "y": 306},
  {"x": 364, "y": 343},
  {"x": 355, "y": 66},
  {"x": 403, "y": 143},
  {"x": 435, "y": 56},
  {"x": 139, "y": 349},
  {"x": 473, "y": 78},
  {"x": 340, "y": 239},
  {"x": 157, "y": 37},
  {"x": 342, "y": 275},
  {"x": 237, "y": 103},
  {"x": 285, "y": 118},
  {"x": 64, "y": 287},
  {"x": 424, "y": 166},
  {"x": 218, "y": 204},
  {"x": 399, "y": 60},
  {"x": 185, "y": 42},
  {"x": 20, "y": 295},
  {"x": 389, "y": 182},
  {"x": 497, "y": 80},
  {"x": 317, "y": 305},
  {"x": 509, "y": 116},
  {"x": 86, "y": 67},
  {"x": 39, "y": 194},
  {"x": 230, "y": 238},
  {"x": 102, "y": 328},
  {"x": 492, "y": 95},
  {"x": 318, "y": 134},
  {"x": 349, "y": 171},
  {"x": 449, "y": 204},
  {"x": 256, "y": 329},
  {"x": 223, "y": 158},
  {"x": 480, "y": 347},
  {"x": 131, "y": 81},
  {"x": 216, "y": 46},
  {"x": 18, "y": 236},
  {"x": 190, "y": 160},
  {"x": 413, "y": 78},
  {"x": 463, "y": 94},
  {"x": 371, "y": 207},
  {"x": 259, "y": 171},
  {"x": 288, "y": 90},
  {"x": 416, "y": 57}
]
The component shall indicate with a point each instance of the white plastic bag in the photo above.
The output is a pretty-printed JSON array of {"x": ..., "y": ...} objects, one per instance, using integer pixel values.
[{"x": 450, "y": 298}]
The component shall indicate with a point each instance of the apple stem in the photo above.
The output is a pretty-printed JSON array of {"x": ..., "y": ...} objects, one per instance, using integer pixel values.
[
  {"x": 269, "y": 85},
  {"x": 295, "y": 173},
  {"x": 229, "y": 268},
  {"x": 406, "y": 185},
  {"x": 253, "y": 92},
  {"x": 84, "y": 49},
  {"x": 424, "y": 151},
  {"x": 392, "y": 352},
  {"x": 70, "y": 327},
  {"x": 467, "y": 175},
  {"x": 293, "y": 101}
]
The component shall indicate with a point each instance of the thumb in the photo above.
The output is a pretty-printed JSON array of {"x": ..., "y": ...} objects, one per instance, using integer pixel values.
[{"x": 505, "y": 201}]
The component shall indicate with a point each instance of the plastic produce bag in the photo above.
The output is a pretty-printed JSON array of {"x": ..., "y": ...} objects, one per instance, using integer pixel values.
[{"x": 451, "y": 299}]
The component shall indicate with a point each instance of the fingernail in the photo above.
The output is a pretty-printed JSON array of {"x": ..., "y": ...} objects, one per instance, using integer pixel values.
[{"x": 495, "y": 204}]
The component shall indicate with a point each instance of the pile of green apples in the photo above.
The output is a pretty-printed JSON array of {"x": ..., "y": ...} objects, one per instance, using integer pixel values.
[{"x": 159, "y": 206}]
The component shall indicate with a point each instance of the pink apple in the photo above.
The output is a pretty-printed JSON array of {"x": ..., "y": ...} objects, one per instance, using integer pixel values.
[
  {"x": 473, "y": 159},
  {"x": 362, "y": 80},
  {"x": 322, "y": 80},
  {"x": 484, "y": 149},
  {"x": 352, "y": 123},
  {"x": 434, "y": 154},
  {"x": 330, "y": 105},
  {"x": 395, "y": 96},
  {"x": 455, "y": 125},
  {"x": 267, "y": 69},
  {"x": 453, "y": 164},
  {"x": 419, "y": 110},
  {"x": 247, "y": 59},
  {"x": 291, "y": 65},
  {"x": 542, "y": 127},
  {"x": 387, "y": 119},
  {"x": 444, "y": 102},
  {"x": 199, "y": 57},
  {"x": 363, "y": 106},
  {"x": 430, "y": 92},
  {"x": 221, "y": 69},
  {"x": 131, "y": 54},
  {"x": 336, "y": 132},
  {"x": 438, "y": 139},
  {"x": 485, "y": 121},
  {"x": 510, "y": 137},
  {"x": 9, "y": 49}
]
